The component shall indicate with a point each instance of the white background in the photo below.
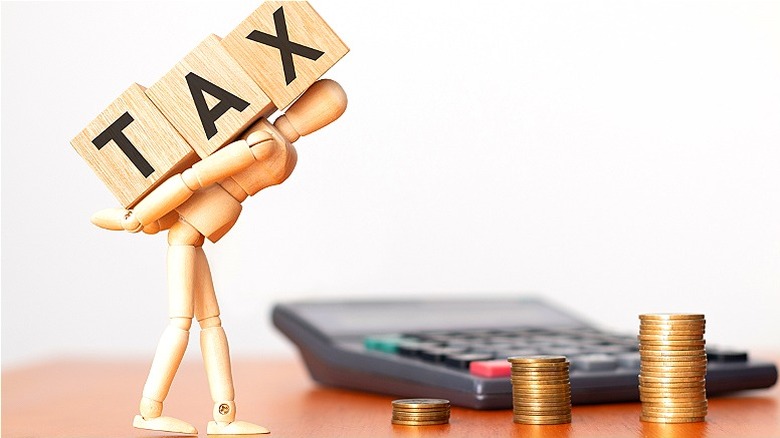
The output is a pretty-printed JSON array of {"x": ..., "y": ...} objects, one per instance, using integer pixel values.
[{"x": 613, "y": 157}]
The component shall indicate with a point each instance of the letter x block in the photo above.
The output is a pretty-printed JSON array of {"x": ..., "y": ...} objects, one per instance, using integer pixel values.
[
  {"x": 132, "y": 147},
  {"x": 209, "y": 98},
  {"x": 285, "y": 47}
]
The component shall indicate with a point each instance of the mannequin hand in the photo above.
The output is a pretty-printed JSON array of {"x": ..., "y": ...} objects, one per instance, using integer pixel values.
[{"x": 116, "y": 219}]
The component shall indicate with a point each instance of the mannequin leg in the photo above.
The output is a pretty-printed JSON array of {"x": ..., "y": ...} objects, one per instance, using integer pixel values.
[
  {"x": 216, "y": 356},
  {"x": 173, "y": 343}
]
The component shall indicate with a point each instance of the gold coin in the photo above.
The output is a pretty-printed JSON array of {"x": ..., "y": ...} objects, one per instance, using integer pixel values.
[
  {"x": 674, "y": 360},
  {"x": 670, "y": 342},
  {"x": 539, "y": 377},
  {"x": 674, "y": 409},
  {"x": 419, "y": 423},
  {"x": 679, "y": 390},
  {"x": 687, "y": 328},
  {"x": 534, "y": 392},
  {"x": 421, "y": 403},
  {"x": 697, "y": 353},
  {"x": 680, "y": 369},
  {"x": 536, "y": 359},
  {"x": 663, "y": 392},
  {"x": 678, "y": 412},
  {"x": 649, "y": 370},
  {"x": 540, "y": 396},
  {"x": 422, "y": 410},
  {"x": 542, "y": 422},
  {"x": 675, "y": 416},
  {"x": 543, "y": 377},
  {"x": 646, "y": 339},
  {"x": 542, "y": 387},
  {"x": 419, "y": 417},
  {"x": 671, "y": 316},
  {"x": 542, "y": 401},
  {"x": 668, "y": 374},
  {"x": 670, "y": 348},
  {"x": 540, "y": 419},
  {"x": 677, "y": 404},
  {"x": 536, "y": 381},
  {"x": 672, "y": 322},
  {"x": 655, "y": 366},
  {"x": 675, "y": 412},
  {"x": 671, "y": 420},
  {"x": 645, "y": 380},
  {"x": 542, "y": 368},
  {"x": 531, "y": 391},
  {"x": 697, "y": 412},
  {"x": 541, "y": 374},
  {"x": 668, "y": 401},
  {"x": 669, "y": 330},
  {"x": 687, "y": 386},
  {"x": 524, "y": 410},
  {"x": 540, "y": 404},
  {"x": 564, "y": 416}
]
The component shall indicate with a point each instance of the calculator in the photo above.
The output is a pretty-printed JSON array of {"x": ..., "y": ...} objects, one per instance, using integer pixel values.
[{"x": 457, "y": 350}]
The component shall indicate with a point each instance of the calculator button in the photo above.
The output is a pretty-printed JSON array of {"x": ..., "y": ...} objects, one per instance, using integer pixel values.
[
  {"x": 594, "y": 362},
  {"x": 413, "y": 348},
  {"x": 613, "y": 349},
  {"x": 384, "y": 343},
  {"x": 463, "y": 360},
  {"x": 491, "y": 368},
  {"x": 629, "y": 360},
  {"x": 724, "y": 355},
  {"x": 516, "y": 352},
  {"x": 438, "y": 354}
]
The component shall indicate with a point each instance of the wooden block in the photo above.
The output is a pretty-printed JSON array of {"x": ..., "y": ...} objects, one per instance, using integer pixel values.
[
  {"x": 285, "y": 47},
  {"x": 209, "y": 98},
  {"x": 132, "y": 147}
]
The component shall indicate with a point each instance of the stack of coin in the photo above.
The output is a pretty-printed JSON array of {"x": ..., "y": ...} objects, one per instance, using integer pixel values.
[
  {"x": 421, "y": 411},
  {"x": 673, "y": 366},
  {"x": 541, "y": 391}
]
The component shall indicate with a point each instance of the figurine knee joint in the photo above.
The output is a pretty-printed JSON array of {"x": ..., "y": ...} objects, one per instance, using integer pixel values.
[
  {"x": 210, "y": 322},
  {"x": 181, "y": 323}
]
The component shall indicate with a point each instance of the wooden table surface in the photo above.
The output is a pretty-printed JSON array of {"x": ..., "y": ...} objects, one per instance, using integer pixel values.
[{"x": 99, "y": 399}]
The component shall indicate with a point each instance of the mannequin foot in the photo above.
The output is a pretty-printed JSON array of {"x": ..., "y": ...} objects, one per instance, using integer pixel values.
[
  {"x": 235, "y": 428},
  {"x": 164, "y": 424}
]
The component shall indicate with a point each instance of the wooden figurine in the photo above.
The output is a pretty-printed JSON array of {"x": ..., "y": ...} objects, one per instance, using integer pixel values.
[
  {"x": 202, "y": 202},
  {"x": 142, "y": 143}
]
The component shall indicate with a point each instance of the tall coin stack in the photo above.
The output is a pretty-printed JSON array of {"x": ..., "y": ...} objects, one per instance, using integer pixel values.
[
  {"x": 541, "y": 391},
  {"x": 421, "y": 411},
  {"x": 673, "y": 367}
]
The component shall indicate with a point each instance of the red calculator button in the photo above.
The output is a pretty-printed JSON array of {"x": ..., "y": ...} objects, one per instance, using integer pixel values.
[{"x": 491, "y": 368}]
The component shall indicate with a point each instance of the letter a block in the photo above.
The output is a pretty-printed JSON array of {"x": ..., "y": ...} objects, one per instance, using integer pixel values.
[
  {"x": 132, "y": 147},
  {"x": 209, "y": 98},
  {"x": 285, "y": 47}
]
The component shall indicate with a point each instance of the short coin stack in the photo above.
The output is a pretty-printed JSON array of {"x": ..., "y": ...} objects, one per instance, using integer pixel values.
[
  {"x": 421, "y": 411},
  {"x": 673, "y": 366},
  {"x": 541, "y": 391}
]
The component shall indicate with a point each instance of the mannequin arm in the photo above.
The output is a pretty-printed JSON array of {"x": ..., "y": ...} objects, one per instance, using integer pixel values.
[{"x": 177, "y": 189}]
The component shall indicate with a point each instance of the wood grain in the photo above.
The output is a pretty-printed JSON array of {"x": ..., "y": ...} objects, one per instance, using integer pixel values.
[
  {"x": 209, "y": 60},
  {"x": 151, "y": 134},
  {"x": 263, "y": 63},
  {"x": 99, "y": 398}
]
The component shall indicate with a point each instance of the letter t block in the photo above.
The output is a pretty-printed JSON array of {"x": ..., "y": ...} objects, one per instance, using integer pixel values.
[{"x": 132, "y": 147}]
